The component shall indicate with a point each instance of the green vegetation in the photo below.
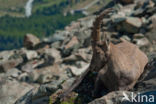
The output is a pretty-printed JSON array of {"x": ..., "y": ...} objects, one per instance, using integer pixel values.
[
  {"x": 44, "y": 22},
  {"x": 12, "y": 7},
  {"x": 12, "y": 30}
]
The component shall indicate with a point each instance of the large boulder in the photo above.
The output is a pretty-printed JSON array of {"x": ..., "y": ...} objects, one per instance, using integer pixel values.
[
  {"x": 30, "y": 41},
  {"x": 9, "y": 64},
  {"x": 130, "y": 25},
  {"x": 12, "y": 91}
]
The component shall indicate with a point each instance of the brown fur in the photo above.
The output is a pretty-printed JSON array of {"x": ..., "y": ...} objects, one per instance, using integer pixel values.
[
  {"x": 125, "y": 64},
  {"x": 118, "y": 66}
]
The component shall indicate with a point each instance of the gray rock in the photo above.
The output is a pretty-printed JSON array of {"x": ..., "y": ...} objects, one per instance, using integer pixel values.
[
  {"x": 31, "y": 65},
  {"x": 31, "y": 54},
  {"x": 78, "y": 71},
  {"x": 12, "y": 91},
  {"x": 54, "y": 53},
  {"x": 45, "y": 74},
  {"x": 138, "y": 36},
  {"x": 70, "y": 46},
  {"x": 30, "y": 41},
  {"x": 141, "y": 42},
  {"x": 67, "y": 83},
  {"x": 24, "y": 77},
  {"x": 13, "y": 73},
  {"x": 9, "y": 64},
  {"x": 130, "y": 25},
  {"x": 4, "y": 55},
  {"x": 56, "y": 45}
]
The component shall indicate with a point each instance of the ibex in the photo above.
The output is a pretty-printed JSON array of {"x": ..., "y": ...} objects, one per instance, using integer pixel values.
[{"x": 119, "y": 66}]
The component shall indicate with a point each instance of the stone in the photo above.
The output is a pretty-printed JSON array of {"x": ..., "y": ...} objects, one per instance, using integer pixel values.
[
  {"x": 72, "y": 42},
  {"x": 71, "y": 46},
  {"x": 139, "y": 12},
  {"x": 130, "y": 25},
  {"x": 73, "y": 59},
  {"x": 151, "y": 34},
  {"x": 125, "y": 37},
  {"x": 55, "y": 38},
  {"x": 45, "y": 74},
  {"x": 30, "y": 41},
  {"x": 4, "y": 55},
  {"x": 78, "y": 71},
  {"x": 31, "y": 65},
  {"x": 141, "y": 42},
  {"x": 67, "y": 83},
  {"x": 24, "y": 77},
  {"x": 12, "y": 91},
  {"x": 9, "y": 64},
  {"x": 31, "y": 54},
  {"x": 13, "y": 73},
  {"x": 138, "y": 36},
  {"x": 54, "y": 53},
  {"x": 56, "y": 45}
]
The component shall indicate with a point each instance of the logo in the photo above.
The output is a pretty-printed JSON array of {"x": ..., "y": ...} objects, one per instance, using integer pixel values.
[{"x": 140, "y": 98}]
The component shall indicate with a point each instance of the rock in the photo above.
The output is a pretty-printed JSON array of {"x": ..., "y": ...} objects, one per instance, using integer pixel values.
[
  {"x": 78, "y": 71},
  {"x": 55, "y": 38},
  {"x": 4, "y": 55},
  {"x": 56, "y": 45},
  {"x": 73, "y": 59},
  {"x": 12, "y": 91},
  {"x": 13, "y": 73},
  {"x": 151, "y": 34},
  {"x": 125, "y": 37},
  {"x": 127, "y": 1},
  {"x": 71, "y": 46},
  {"x": 117, "y": 19},
  {"x": 138, "y": 36},
  {"x": 31, "y": 65},
  {"x": 139, "y": 12},
  {"x": 87, "y": 22},
  {"x": 67, "y": 83},
  {"x": 45, "y": 74},
  {"x": 24, "y": 77},
  {"x": 72, "y": 42},
  {"x": 31, "y": 55},
  {"x": 54, "y": 53},
  {"x": 83, "y": 54},
  {"x": 141, "y": 42},
  {"x": 130, "y": 25},
  {"x": 30, "y": 41},
  {"x": 9, "y": 64},
  {"x": 82, "y": 36},
  {"x": 151, "y": 4}
]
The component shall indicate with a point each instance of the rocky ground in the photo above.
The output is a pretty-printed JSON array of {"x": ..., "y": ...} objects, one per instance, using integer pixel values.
[{"x": 38, "y": 72}]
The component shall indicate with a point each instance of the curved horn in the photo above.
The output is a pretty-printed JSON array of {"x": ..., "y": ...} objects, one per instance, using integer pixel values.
[{"x": 95, "y": 35}]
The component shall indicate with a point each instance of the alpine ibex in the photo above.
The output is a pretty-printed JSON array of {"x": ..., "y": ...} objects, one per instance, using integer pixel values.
[{"x": 119, "y": 66}]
